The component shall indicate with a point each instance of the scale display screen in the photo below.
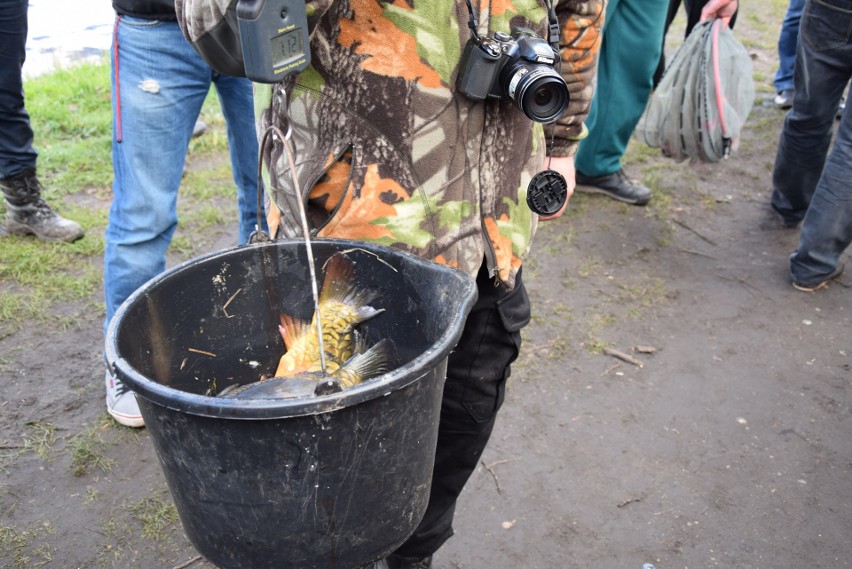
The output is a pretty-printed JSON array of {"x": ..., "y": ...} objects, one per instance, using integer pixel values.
[{"x": 287, "y": 46}]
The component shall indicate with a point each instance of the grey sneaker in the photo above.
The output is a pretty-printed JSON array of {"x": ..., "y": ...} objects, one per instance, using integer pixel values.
[
  {"x": 121, "y": 403},
  {"x": 821, "y": 284},
  {"x": 784, "y": 99},
  {"x": 28, "y": 214},
  {"x": 199, "y": 128}
]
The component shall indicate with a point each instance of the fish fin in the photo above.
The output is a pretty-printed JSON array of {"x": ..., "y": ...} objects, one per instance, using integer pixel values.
[
  {"x": 375, "y": 361},
  {"x": 339, "y": 286},
  {"x": 365, "y": 312},
  {"x": 291, "y": 329},
  {"x": 359, "y": 342},
  {"x": 338, "y": 281}
]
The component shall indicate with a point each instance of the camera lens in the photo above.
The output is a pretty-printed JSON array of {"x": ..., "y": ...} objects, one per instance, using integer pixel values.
[
  {"x": 543, "y": 97},
  {"x": 538, "y": 91}
]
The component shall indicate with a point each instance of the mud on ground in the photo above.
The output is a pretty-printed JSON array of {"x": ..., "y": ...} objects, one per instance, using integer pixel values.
[{"x": 722, "y": 439}]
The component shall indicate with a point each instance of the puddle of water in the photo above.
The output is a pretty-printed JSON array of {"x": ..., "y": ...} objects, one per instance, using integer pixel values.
[{"x": 62, "y": 33}]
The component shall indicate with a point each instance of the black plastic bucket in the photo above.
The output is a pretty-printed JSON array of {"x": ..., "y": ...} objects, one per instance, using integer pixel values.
[{"x": 333, "y": 481}]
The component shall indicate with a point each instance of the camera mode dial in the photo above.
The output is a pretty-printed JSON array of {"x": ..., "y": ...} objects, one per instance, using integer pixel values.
[{"x": 491, "y": 47}]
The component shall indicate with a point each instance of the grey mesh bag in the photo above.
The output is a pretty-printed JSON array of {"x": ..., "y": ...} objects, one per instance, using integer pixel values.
[{"x": 698, "y": 110}]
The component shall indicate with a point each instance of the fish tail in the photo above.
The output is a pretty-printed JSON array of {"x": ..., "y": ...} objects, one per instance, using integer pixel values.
[{"x": 375, "y": 361}]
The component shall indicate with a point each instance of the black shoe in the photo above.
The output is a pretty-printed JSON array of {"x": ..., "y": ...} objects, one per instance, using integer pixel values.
[
  {"x": 784, "y": 99},
  {"x": 821, "y": 284},
  {"x": 617, "y": 186},
  {"x": 28, "y": 214}
]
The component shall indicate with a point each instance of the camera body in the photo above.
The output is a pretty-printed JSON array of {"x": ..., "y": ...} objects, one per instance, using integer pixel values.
[
  {"x": 519, "y": 67},
  {"x": 274, "y": 38}
]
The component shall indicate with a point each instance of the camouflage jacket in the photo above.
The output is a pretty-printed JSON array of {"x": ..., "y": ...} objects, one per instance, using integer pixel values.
[{"x": 385, "y": 148}]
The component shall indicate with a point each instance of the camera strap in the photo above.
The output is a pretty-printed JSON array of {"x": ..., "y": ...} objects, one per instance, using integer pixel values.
[
  {"x": 547, "y": 191},
  {"x": 552, "y": 25}
]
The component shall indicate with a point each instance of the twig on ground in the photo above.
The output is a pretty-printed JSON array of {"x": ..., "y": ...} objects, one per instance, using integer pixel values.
[
  {"x": 489, "y": 468},
  {"x": 688, "y": 228},
  {"x": 700, "y": 254},
  {"x": 610, "y": 369},
  {"x": 628, "y": 501},
  {"x": 622, "y": 356}
]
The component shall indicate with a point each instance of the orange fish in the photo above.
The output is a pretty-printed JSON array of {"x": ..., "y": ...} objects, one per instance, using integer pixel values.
[{"x": 342, "y": 306}]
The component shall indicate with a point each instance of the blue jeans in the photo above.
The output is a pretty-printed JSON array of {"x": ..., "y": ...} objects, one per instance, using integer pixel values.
[
  {"x": 159, "y": 84},
  {"x": 16, "y": 135},
  {"x": 806, "y": 186},
  {"x": 787, "y": 40}
]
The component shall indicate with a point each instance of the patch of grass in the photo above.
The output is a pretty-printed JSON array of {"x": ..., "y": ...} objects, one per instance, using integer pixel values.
[
  {"x": 87, "y": 452},
  {"x": 112, "y": 552},
  {"x": 41, "y": 439},
  {"x": 182, "y": 245},
  {"x": 638, "y": 296},
  {"x": 71, "y": 115},
  {"x": 595, "y": 346},
  {"x": 20, "y": 549},
  {"x": 590, "y": 266},
  {"x": 72, "y": 120},
  {"x": 556, "y": 242},
  {"x": 158, "y": 517},
  {"x": 578, "y": 205},
  {"x": 639, "y": 153},
  {"x": 91, "y": 494},
  {"x": 34, "y": 263}
]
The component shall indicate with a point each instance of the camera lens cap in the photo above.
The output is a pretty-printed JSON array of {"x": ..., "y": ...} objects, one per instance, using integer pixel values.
[{"x": 547, "y": 192}]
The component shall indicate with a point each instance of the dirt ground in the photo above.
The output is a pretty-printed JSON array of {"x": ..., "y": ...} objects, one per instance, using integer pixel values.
[{"x": 726, "y": 443}]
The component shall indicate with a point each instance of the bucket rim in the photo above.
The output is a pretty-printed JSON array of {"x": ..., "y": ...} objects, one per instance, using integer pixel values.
[{"x": 254, "y": 409}]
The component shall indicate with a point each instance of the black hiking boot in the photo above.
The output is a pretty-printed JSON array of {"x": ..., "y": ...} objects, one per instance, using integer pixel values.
[
  {"x": 28, "y": 214},
  {"x": 616, "y": 185}
]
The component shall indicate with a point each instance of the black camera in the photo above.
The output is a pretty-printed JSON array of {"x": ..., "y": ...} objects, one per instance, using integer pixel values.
[
  {"x": 274, "y": 38},
  {"x": 517, "y": 67}
]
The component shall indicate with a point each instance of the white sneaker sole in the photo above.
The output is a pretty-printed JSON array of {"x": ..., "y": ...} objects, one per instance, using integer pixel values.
[{"x": 127, "y": 420}]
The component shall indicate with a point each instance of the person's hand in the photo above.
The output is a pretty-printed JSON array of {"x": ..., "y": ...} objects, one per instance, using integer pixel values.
[
  {"x": 565, "y": 166},
  {"x": 722, "y": 9}
]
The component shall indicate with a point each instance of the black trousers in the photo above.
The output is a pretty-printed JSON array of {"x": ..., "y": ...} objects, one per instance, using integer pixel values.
[
  {"x": 476, "y": 382},
  {"x": 16, "y": 134}
]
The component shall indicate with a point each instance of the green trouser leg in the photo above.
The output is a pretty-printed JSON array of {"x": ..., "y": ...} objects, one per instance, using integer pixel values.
[{"x": 630, "y": 51}]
